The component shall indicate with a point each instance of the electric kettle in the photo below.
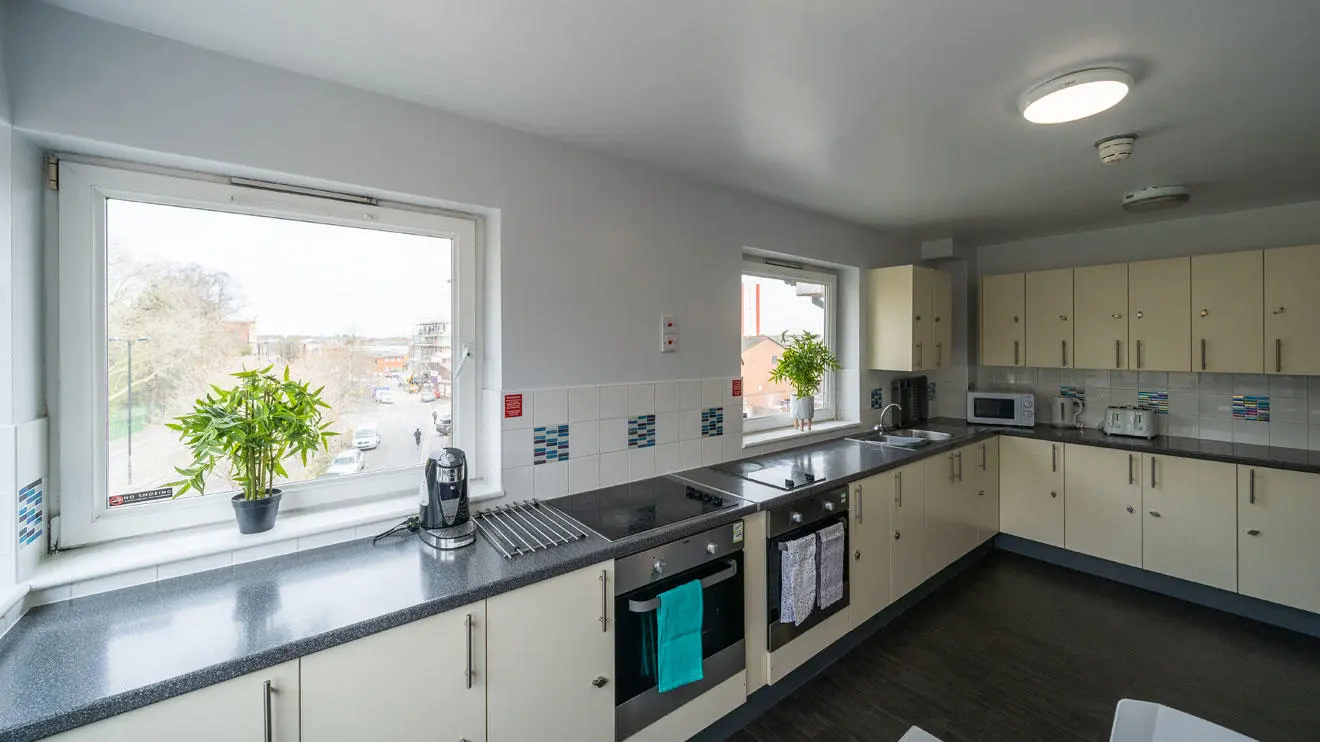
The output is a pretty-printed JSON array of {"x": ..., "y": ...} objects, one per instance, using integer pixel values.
[
  {"x": 443, "y": 509},
  {"x": 1066, "y": 411}
]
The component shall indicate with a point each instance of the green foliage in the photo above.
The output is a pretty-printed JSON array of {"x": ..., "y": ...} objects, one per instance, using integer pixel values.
[
  {"x": 804, "y": 363},
  {"x": 254, "y": 426}
]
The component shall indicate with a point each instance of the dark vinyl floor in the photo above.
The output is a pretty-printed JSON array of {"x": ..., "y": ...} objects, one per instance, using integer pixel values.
[{"x": 1015, "y": 649}]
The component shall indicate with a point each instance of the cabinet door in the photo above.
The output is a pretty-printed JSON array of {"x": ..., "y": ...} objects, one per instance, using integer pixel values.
[
  {"x": 1103, "y": 513},
  {"x": 985, "y": 486},
  {"x": 232, "y": 711},
  {"x": 941, "y": 313},
  {"x": 546, "y": 648},
  {"x": 1228, "y": 308},
  {"x": 943, "y": 531},
  {"x": 1159, "y": 324},
  {"x": 1277, "y": 546},
  {"x": 1031, "y": 489},
  {"x": 1003, "y": 302},
  {"x": 1191, "y": 517},
  {"x": 1049, "y": 318},
  {"x": 1292, "y": 345},
  {"x": 354, "y": 691},
  {"x": 893, "y": 313},
  {"x": 872, "y": 536},
  {"x": 909, "y": 520},
  {"x": 1100, "y": 325},
  {"x": 923, "y": 285}
]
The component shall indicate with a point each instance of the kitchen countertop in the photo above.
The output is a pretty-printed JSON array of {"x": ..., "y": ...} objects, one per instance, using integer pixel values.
[{"x": 72, "y": 663}]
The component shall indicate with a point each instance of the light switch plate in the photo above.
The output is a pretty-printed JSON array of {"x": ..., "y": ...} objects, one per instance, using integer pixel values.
[{"x": 668, "y": 333}]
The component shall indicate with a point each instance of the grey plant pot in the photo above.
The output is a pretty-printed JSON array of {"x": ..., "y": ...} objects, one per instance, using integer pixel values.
[{"x": 256, "y": 516}]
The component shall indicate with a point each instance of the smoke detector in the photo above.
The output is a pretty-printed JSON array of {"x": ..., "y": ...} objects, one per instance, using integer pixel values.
[
  {"x": 1155, "y": 198},
  {"x": 1115, "y": 149}
]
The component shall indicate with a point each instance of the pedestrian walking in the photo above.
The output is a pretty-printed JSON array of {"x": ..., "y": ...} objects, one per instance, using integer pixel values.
[{"x": 417, "y": 436}]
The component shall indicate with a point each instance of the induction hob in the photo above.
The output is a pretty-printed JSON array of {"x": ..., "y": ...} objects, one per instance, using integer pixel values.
[{"x": 628, "y": 509}]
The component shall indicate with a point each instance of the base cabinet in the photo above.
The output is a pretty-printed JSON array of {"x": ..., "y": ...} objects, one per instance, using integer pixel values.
[
  {"x": 872, "y": 536},
  {"x": 1191, "y": 514},
  {"x": 232, "y": 711},
  {"x": 1278, "y": 551},
  {"x": 908, "y": 553},
  {"x": 1031, "y": 489},
  {"x": 983, "y": 476},
  {"x": 1103, "y": 503},
  {"x": 402, "y": 680}
]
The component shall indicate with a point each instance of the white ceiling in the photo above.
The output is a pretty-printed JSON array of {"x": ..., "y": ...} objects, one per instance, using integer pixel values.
[{"x": 897, "y": 113}]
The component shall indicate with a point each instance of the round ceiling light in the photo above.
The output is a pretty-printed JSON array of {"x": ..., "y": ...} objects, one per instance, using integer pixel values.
[{"x": 1076, "y": 96}]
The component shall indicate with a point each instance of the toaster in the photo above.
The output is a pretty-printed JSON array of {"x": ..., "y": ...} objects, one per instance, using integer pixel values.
[{"x": 1132, "y": 421}]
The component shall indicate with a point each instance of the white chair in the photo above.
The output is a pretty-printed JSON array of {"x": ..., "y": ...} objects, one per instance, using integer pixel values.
[
  {"x": 1143, "y": 721},
  {"x": 917, "y": 734}
]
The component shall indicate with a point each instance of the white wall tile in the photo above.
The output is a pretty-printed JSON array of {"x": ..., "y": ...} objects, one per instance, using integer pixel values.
[
  {"x": 712, "y": 393},
  {"x": 689, "y": 425},
  {"x": 1184, "y": 404},
  {"x": 517, "y": 483},
  {"x": 689, "y": 455},
  {"x": 666, "y": 458},
  {"x": 583, "y": 474},
  {"x": 1153, "y": 380},
  {"x": 613, "y": 401},
  {"x": 264, "y": 551},
  {"x": 1122, "y": 397},
  {"x": 1094, "y": 414},
  {"x": 733, "y": 447},
  {"x": 112, "y": 582},
  {"x": 613, "y": 468},
  {"x": 1217, "y": 406},
  {"x": 1018, "y": 377},
  {"x": 1289, "y": 435},
  {"x": 1251, "y": 431},
  {"x": 613, "y": 435},
  {"x": 1124, "y": 379},
  {"x": 1315, "y": 408},
  {"x": 1292, "y": 387},
  {"x": 1215, "y": 383},
  {"x": 517, "y": 448},
  {"x": 666, "y": 427},
  {"x": 1314, "y": 387},
  {"x": 1314, "y": 438},
  {"x": 1048, "y": 377},
  {"x": 550, "y": 480},
  {"x": 689, "y": 395},
  {"x": 1254, "y": 384},
  {"x": 1216, "y": 428},
  {"x": 641, "y": 463},
  {"x": 666, "y": 396},
  {"x": 1097, "y": 379},
  {"x": 522, "y": 421},
  {"x": 550, "y": 407},
  {"x": 1288, "y": 410},
  {"x": 1180, "y": 426},
  {"x": 712, "y": 450},
  {"x": 1181, "y": 382},
  {"x": 327, "y": 538},
  {"x": 733, "y": 423},
  {"x": 641, "y": 399},
  {"x": 583, "y": 439},
  {"x": 583, "y": 404}
]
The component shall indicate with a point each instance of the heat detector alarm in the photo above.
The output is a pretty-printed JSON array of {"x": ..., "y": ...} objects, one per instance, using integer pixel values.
[
  {"x": 1155, "y": 198},
  {"x": 1115, "y": 149}
]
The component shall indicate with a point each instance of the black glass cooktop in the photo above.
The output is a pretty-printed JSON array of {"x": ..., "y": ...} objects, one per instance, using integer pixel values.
[{"x": 638, "y": 507}]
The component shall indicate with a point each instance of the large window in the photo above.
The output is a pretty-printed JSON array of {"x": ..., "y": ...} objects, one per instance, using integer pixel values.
[
  {"x": 168, "y": 285},
  {"x": 778, "y": 300}
]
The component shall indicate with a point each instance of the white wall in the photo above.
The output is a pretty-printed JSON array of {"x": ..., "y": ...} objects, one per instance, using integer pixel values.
[{"x": 591, "y": 250}]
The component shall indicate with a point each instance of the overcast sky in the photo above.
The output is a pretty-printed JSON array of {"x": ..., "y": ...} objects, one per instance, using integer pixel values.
[
  {"x": 781, "y": 308},
  {"x": 297, "y": 278}
]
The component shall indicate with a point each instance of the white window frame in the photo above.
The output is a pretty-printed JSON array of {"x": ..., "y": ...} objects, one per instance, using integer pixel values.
[
  {"x": 80, "y": 445},
  {"x": 759, "y": 269}
]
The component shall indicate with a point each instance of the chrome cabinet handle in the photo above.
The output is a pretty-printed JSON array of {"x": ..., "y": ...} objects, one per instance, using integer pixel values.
[
  {"x": 467, "y": 672},
  {"x": 1202, "y": 354},
  {"x": 604, "y": 601},
  {"x": 1118, "y": 354},
  {"x": 1138, "y": 354},
  {"x": 267, "y": 690},
  {"x": 1155, "y": 514},
  {"x": 952, "y": 476},
  {"x": 919, "y": 355},
  {"x": 1278, "y": 355},
  {"x": 1064, "y": 353},
  {"x": 1015, "y": 352},
  {"x": 1251, "y": 486},
  {"x": 898, "y": 489},
  {"x": 960, "y": 471},
  {"x": 600, "y": 681},
  {"x": 1131, "y": 477},
  {"x": 857, "y": 501},
  {"x": 983, "y": 457},
  {"x": 939, "y": 355},
  {"x": 1131, "y": 509},
  {"x": 1152, "y": 471},
  {"x": 1054, "y": 457},
  {"x": 1253, "y": 532}
]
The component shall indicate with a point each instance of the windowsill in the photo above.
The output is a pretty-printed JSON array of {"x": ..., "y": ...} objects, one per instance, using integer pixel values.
[
  {"x": 827, "y": 429},
  {"x": 133, "y": 561}
]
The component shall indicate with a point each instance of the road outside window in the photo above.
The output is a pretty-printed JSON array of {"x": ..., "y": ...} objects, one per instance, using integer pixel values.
[{"x": 771, "y": 306}]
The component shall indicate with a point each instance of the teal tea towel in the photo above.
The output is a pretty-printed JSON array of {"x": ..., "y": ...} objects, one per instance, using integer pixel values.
[{"x": 679, "y": 642}]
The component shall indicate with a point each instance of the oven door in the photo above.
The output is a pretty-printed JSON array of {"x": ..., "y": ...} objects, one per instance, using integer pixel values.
[
  {"x": 779, "y": 634},
  {"x": 638, "y": 699}
]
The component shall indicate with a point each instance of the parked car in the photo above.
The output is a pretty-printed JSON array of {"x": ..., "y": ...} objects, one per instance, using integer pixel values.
[
  {"x": 350, "y": 461},
  {"x": 383, "y": 395},
  {"x": 445, "y": 425},
  {"x": 367, "y": 436}
]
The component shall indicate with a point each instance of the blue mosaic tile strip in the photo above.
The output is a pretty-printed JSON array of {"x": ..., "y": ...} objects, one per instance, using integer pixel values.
[
  {"x": 877, "y": 398},
  {"x": 641, "y": 431},
  {"x": 549, "y": 444},
  {"x": 30, "y": 517},
  {"x": 1247, "y": 407},
  {"x": 1158, "y": 401},
  {"x": 1075, "y": 392},
  {"x": 712, "y": 422}
]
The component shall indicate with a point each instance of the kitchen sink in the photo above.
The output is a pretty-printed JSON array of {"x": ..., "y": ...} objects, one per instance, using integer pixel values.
[{"x": 902, "y": 438}]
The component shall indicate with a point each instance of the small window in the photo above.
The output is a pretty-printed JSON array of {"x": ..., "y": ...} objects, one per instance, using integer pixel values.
[{"x": 778, "y": 300}]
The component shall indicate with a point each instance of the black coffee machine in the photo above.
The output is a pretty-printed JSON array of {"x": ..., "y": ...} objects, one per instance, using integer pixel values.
[
  {"x": 443, "y": 516},
  {"x": 912, "y": 393}
]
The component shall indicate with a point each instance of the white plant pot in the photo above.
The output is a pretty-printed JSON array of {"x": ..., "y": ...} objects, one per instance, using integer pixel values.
[{"x": 804, "y": 409}]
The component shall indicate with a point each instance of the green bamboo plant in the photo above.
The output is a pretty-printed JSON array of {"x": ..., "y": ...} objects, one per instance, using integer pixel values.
[
  {"x": 254, "y": 426},
  {"x": 804, "y": 363}
]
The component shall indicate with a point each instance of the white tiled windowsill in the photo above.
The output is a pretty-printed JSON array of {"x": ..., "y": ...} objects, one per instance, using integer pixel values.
[{"x": 789, "y": 436}]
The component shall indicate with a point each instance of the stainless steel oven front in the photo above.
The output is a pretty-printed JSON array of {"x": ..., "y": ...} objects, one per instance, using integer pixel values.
[
  {"x": 715, "y": 557},
  {"x": 788, "y": 523}
]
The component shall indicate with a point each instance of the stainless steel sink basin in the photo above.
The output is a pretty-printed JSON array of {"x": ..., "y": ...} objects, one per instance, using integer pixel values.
[
  {"x": 925, "y": 435},
  {"x": 904, "y": 438}
]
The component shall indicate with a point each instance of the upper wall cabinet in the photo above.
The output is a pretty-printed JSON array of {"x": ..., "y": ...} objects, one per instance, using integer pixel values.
[
  {"x": 1100, "y": 326},
  {"x": 1292, "y": 303},
  {"x": 1159, "y": 325},
  {"x": 1003, "y": 305},
  {"x": 1227, "y": 312},
  {"x": 1049, "y": 313},
  {"x": 911, "y": 318}
]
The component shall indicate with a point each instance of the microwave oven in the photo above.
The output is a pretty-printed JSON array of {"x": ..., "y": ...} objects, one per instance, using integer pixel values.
[{"x": 993, "y": 408}]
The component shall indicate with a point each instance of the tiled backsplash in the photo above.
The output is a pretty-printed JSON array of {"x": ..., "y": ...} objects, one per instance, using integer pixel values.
[
  {"x": 1244, "y": 408},
  {"x": 563, "y": 441}
]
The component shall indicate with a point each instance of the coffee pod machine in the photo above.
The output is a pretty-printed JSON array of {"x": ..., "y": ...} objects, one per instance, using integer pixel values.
[{"x": 443, "y": 517}]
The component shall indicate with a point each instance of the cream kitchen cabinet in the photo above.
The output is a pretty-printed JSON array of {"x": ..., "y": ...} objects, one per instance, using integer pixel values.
[
  {"x": 1102, "y": 515},
  {"x": 1292, "y": 344},
  {"x": 1190, "y": 517},
  {"x": 259, "y": 706},
  {"x": 1159, "y": 323},
  {"x": 1276, "y": 536},
  {"x": 1003, "y": 305},
  {"x": 1100, "y": 325},
  {"x": 983, "y": 481},
  {"x": 908, "y": 516},
  {"x": 425, "y": 680},
  {"x": 950, "y": 508},
  {"x": 1031, "y": 489},
  {"x": 1049, "y": 312},
  {"x": 1227, "y": 312},
  {"x": 550, "y": 659},
  {"x": 872, "y": 510},
  {"x": 911, "y": 318}
]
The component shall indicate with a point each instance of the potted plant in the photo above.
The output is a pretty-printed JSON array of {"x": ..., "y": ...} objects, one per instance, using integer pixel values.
[
  {"x": 803, "y": 365},
  {"x": 254, "y": 426}
]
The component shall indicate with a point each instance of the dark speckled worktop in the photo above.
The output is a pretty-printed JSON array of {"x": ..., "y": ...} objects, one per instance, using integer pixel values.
[{"x": 72, "y": 663}]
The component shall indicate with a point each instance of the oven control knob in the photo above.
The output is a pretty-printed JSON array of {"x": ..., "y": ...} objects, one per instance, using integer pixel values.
[
  {"x": 711, "y": 548},
  {"x": 795, "y": 517},
  {"x": 658, "y": 567},
  {"x": 829, "y": 507}
]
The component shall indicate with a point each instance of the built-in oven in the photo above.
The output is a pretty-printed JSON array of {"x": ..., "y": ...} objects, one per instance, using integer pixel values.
[
  {"x": 805, "y": 518},
  {"x": 714, "y": 557}
]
